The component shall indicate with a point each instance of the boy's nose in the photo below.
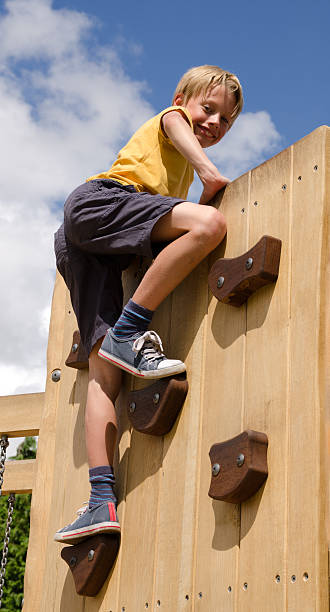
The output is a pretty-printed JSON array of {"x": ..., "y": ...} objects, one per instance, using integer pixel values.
[{"x": 214, "y": 120}]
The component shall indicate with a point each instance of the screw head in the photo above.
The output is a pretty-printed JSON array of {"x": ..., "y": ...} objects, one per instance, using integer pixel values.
[
  {"x": 90, "y": 555},
  {"x": 132, "y": 407},
  {"x": 73, "y": 561},
  {"x": 216, "y": 469},
  {"x": 249, "y": 263},
  {"x": 156, "y": 398},
  {"x": 240, "y": 460},
  {"x": 220, "y": 282},
  {"x": 74, "y": 348},
  {"x": 56, "y": 375}
]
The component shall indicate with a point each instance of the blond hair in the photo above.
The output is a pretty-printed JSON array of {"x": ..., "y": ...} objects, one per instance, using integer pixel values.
[{"x": 200, "y": 79}]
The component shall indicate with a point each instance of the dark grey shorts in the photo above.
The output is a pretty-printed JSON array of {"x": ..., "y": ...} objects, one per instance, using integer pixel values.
[{"x": 105, "y": 225}]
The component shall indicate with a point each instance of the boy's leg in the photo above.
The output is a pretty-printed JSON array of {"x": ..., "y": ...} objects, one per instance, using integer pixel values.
[
  {"x": 194, "y": 231},
  {"x": 101, "y": 434}
]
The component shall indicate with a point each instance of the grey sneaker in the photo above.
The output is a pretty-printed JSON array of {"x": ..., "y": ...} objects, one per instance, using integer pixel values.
[
  {"x": 141, "y": 355},
  {"x": 100, "y": 519}
]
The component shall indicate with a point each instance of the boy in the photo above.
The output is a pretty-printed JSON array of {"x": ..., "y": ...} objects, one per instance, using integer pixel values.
[{"x": 138, "y": 204}]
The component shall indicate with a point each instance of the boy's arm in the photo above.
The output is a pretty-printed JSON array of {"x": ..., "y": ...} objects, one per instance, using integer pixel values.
[{"x": 185, "y": 141}]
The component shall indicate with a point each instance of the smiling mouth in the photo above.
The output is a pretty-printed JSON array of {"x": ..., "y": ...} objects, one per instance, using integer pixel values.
[{"x": 205, "y": 132}]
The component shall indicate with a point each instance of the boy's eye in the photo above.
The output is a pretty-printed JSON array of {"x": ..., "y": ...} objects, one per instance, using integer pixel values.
[{"x": 207, "y": 108}]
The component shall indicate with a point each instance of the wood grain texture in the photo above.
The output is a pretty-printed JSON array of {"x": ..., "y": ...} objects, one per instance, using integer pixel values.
[
  {"x": 233, "y": 281},
  {"x": 154, "y": 409},
  {"x": 19, "y": 476},
  {"x": 218, "y": 524},
  {"x": 239, "y": 467},
  {"x": 20, "y": 415},
  {"x": 264, "y": 367}
]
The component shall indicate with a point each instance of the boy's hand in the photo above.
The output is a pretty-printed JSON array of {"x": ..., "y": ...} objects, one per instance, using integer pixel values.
[
  {"x": 212, "y": 185},
  {"x": 179, "y": 131}
]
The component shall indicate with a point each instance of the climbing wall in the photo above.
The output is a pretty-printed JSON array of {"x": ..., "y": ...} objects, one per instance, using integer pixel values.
[{"x": 263, "y": 366}]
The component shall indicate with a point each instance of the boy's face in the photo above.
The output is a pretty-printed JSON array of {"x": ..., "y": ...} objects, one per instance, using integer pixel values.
[{"x": 211, "y": 114}]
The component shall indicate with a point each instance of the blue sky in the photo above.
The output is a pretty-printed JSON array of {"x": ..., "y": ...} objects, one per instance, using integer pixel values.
[
  {"x": 77, "y": 78},
  {"x": 280, "y": 51}
]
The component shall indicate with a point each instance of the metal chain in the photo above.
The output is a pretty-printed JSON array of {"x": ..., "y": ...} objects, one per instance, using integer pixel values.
[
  {"x": 3, "y": 446},
  {"x": 11, "y": 502}
]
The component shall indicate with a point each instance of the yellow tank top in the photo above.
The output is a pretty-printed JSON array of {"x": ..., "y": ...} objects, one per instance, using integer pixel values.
[{"x": 150, "y": 162}]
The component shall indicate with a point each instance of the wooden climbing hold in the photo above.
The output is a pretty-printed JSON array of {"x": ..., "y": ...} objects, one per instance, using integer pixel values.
[
  {"x": 77, "y": 357},
  {"x": 239, "y": 466},
  {"x": 232, "y": 281},
  {"x": 154, "y": 409},
  {"x": 90, "y": 561}
]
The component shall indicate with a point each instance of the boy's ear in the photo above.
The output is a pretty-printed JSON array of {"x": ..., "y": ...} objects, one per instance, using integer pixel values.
[{"x": 178, "y": 100}]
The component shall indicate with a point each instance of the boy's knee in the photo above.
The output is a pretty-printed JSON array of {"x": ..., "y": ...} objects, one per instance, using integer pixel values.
[{"x": 212, "y": 227}]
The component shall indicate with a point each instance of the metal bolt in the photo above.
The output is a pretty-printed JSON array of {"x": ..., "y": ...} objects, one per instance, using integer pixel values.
[
  {"x": 249, "y": 263},
  {"x": 316, "y": 168},
  {"x": 240, "y": 460},
  {"x": 299, "y": 178},
  {"x": 73, "y": 561},
  {"x": 56, "y": 375},
  {"x": 215, "y": 469},
  {"x": 255, "y": 203},
  {"x": 243, "y": 210},
  {"x": 245, "y": 586},
  {"x": 200, "y": 595},
  {"x": 156, "y": 398},
  {"x": 90, "y": 555},
  {"x": 283, "y": 187},
  {"x": 220, "y": 282},
  {"x": 132, "y": 407},
  {"x": 74, "y": 348},
  {"x": 293, "y": 578},
  {"x": 229, "y": 589},
  {"x": 278, "y": 578},
  {"x": 305, "y": 576}
]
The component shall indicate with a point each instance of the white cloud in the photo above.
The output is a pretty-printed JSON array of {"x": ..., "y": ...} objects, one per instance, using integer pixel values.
[
  {"x": 65, "y": 110},
  {"x": 64, "y": 114},
  {"x": 252, "y": 138}
]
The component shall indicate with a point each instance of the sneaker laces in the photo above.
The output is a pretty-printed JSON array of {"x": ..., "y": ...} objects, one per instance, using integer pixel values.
[
  {"x": 83, "y": 508},
  {"x": 150, "y": 345}
]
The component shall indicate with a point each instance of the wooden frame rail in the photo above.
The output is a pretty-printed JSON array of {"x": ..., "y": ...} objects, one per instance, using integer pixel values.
[{"x": 20, "y": 416}]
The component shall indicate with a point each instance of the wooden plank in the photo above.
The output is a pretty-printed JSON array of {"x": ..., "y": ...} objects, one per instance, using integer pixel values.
[
  {"x": 43, "y": 552},
  {"x": 180, "y": 461},
  {"x": 20, "y": 415},
  {"x": 70, "y": 484},
  {"x": 218, "y": 525},
  {"x": 142, "y": 491},
  {"x": 108, "y": 598},
  {"x": 263, "y": 516},
  {"x": 19, "y": 476},
  {"x": 307, "y": 481}
]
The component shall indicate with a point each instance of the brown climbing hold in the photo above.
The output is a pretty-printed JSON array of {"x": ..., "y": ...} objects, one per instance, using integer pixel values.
[
  {"x": 239, "y": 466},
  {"x": 154, "y": 409},
  {"x": 77, "y": 357},
  {"x": 232, "y": 281},
  {"x": 90, "y": 561}
]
